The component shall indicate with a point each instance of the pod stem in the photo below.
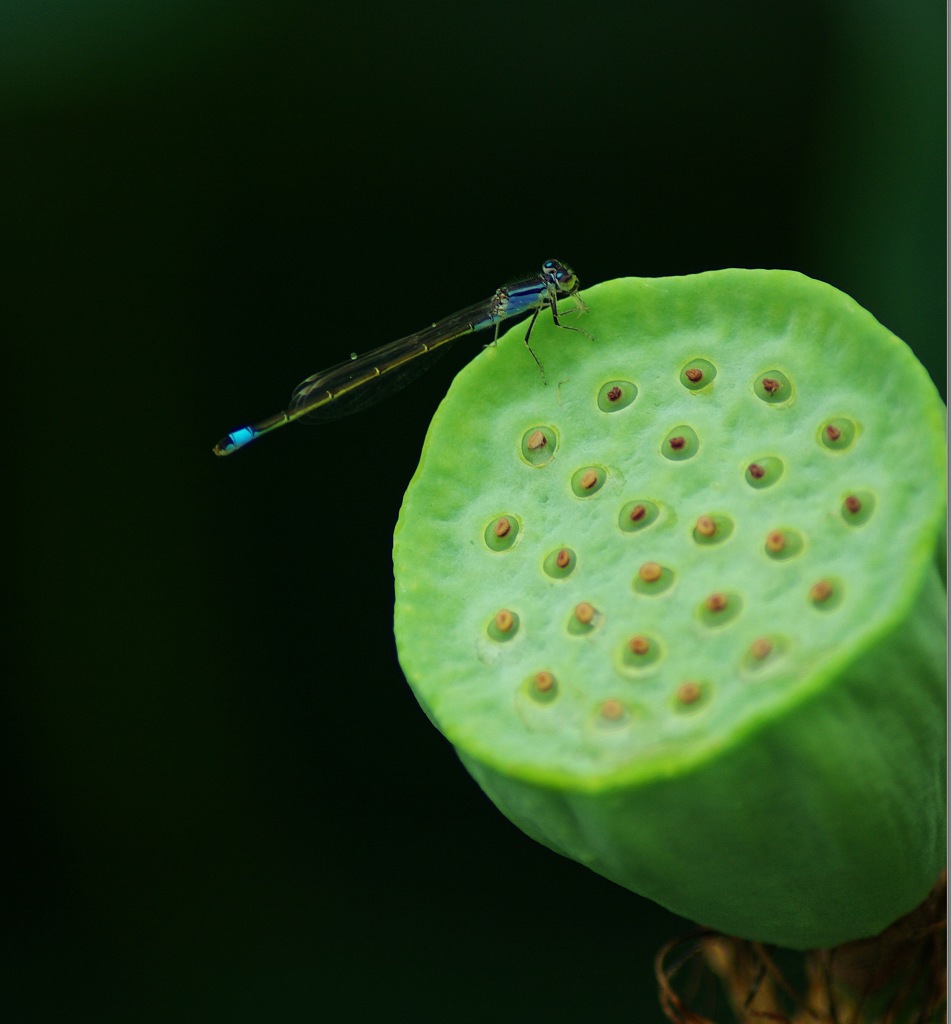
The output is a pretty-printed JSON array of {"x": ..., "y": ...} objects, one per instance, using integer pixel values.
[{"x": 897, "y": 976}]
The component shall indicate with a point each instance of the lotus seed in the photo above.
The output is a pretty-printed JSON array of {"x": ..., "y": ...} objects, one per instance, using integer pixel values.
[
  {"x": 764, "y": 472},
  {"x": 833, "y": 433},
  {"x": 716, "y": 603},
  {"x": 502, "y": 527},
  {"x": 561, "y": 563},
  {"x": 852, "y": 504},
  {"x": 537, "y": 440},
  {"x": 614, "y": 395},
  {"x": 821, "y": 591},
  {"x": 698, "y": 374},
  {"x": 761, "y": 648},
  {"x": 584, "y": 613},
  {"x": 639, "y": 645},
  {"x": 612, "y": 710},
  {"x": 677, "y": 443},
  {"x": 544, "y": 681},
  {"x": 706, "y": 526},
  {"x": 650, "y": 572},
  {"x": 770, "y": 385},
  {"x": 775, "y": 540},
  {"x": 688, "y": 693},
  {"x": 504, "y": 620}
]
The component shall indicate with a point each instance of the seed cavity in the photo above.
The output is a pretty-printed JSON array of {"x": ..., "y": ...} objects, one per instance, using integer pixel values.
[
  {"x": 616, "y": 395},
  {"x": 541, "y": 687},
  {"x": 782, "y": 544},
  {"x": 763, "y": 651},
  {"x": 825, "y": 594},
  {"x": 688, "y": 694},
  {"x": 501, "y": 533},
  {"x": 857, "y": 508},
  {"x": 583, "y": 619},
  {"x": 761, "y": 648},
  {"x": 653, "y": 578},
  {"x": 698, "y": 374},
  {"x": 560, "y": 563},
  {"x": 680, "y": 444},
  {"x": 706, "y": 526},
  {"x": 538, "y": 445},
  {"x": 773, "y": 387},
  {"x": 612, "y": 711},
  {"x": 838, "y": 434},
  {"x": 640, "y": 652},
  {"x": 544, "y": 681},
  {"x": 719, "y": 608},
  {"x": 588, "y": 481},
  {"x": 637, "y": 515},
  {"x": 584, "y": 612},
  {"x": 712, "y": 529},
  {"x": 764, "y": 472},
  {"x": 503, "y": 626}
]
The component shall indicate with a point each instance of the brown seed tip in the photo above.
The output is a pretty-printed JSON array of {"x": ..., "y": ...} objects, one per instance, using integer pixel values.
[
  {"x": 536, "y": 440},
  {"x": 760, "y": 648},
  {"x": 637, "y": 513},
  {"x": 584, "y": 613},
  {"x": 833, "y": 433},
  {"x": 757, "y": 472},
  {"x": 612, "y": 709},
  {"x": 677, "y": 443},
  {"x": 614, "y": 394},
  {"x": 503, "y": 526},
  {"x": 706, "y": 526},
  {"x": 688, "y": 693},
  {"x": 771, "y": 385},
  {"x": 716, "y": 603},
  {"x": 544, "y": 681},
  {"x": 694, "y": 374},
  {"x": 588, "y": 479},
  {"x": 650, "y": 572},
  {"x": 775, "y": 540},
  {"x": 563, "y": 558},
  {"x": 852, "y": 504},
  {"x": 504, "y": 620},
  {"x": 820, "y": 591},
  {"x": 639, "y": 645}
]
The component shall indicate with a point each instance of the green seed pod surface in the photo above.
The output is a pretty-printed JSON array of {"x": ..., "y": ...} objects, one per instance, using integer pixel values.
[{"x": 708, "y": 659}]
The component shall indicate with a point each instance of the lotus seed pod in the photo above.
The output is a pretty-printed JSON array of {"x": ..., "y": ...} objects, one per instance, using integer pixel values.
[{"x": 707, "y": 656}]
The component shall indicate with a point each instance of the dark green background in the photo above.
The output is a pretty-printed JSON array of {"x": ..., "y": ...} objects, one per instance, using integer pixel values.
[{"x": 222, "y": 802}]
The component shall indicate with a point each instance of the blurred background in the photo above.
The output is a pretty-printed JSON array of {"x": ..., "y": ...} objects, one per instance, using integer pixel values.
[{"x": 222, "y": 802}]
